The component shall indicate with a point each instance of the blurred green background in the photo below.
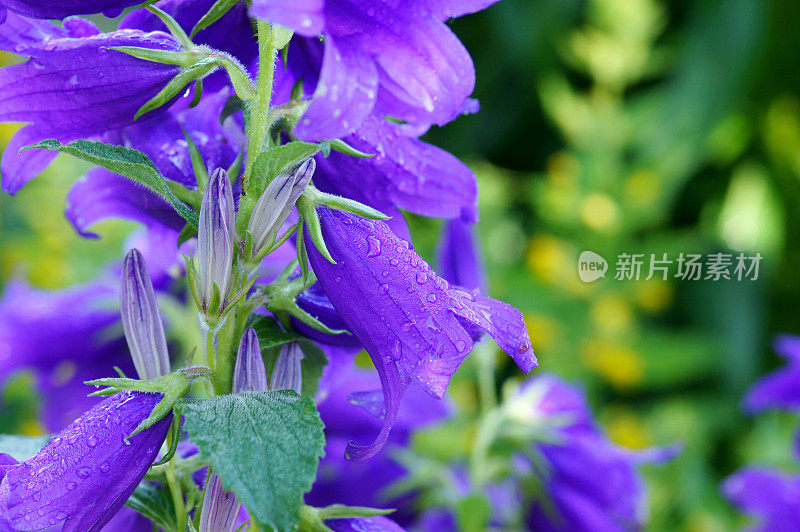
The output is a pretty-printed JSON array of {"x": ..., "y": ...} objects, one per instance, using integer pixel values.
[{"x": 617, "y": 126}]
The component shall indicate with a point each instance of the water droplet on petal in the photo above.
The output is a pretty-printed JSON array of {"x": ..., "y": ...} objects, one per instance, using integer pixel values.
[
  {"x": 432, "y": 298},
  {"x": 422, "y": 278},
  {"x": 71, "y": 486},
  {"x": 92, "y": 441},
  {"x": 406, "y": 326},
  {"x": 104, "y": 467},
  {"x": 84, "y": 472},
  {"x": 102, "y": 50},
  {"x": 374, "y": 246}
]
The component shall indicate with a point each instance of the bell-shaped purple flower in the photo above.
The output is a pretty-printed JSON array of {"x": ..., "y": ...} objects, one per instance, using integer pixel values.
[
  {"x": 73, "y": 86},
  {"x": 275, "y": 204},
  {"x": 770, "y": 495},
  {"x": 410, "y": 321},
  {"x": 141, "y": 319},
  {"x": 249, "y": 372},
  {"x": 58, "y": 9},
  {"x": 84, "y": 475},
  {"x": 316, "y": 303},
  {"x": 287, "y": 373},
  {"x": 780, "y": 389},
  {"x": 459, "y": 258},
  {"x": 215, "y": 240},
  {"x": 377, "y": 523}
]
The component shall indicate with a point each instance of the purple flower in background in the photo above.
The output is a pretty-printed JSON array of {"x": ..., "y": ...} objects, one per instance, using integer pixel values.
[
  {"x": 410, "y": 321},
  {"x": 389, "y": 58},
  {"x": 364, "y": 524},
  {"x": 62, "y": 348},
  {"x": 589, "y": 482},
  {"x": 459, "y": 257},
  {"x": 405, "y": 172},
  {"x": 780, "y": 389},
  {"x": 85, "y": 474},
  {"x": 60, "y": 100},
  {"x": 771, "y": 495},
  {"x": 64, "y": 8}
]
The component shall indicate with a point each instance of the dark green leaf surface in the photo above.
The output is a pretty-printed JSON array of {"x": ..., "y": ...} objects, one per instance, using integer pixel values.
[
  {"x": 277, "y": 160},
  {"x": 153, "y": 503},
  {"x": 265, "y": 446}
]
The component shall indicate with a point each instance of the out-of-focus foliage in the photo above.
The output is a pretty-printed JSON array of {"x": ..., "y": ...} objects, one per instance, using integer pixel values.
[{"x": 617, "y": 126}]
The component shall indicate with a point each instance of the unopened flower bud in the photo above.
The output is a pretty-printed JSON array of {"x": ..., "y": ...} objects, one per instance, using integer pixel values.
[
  {"x": 215, "y": 237},
  {"x": 141, "y": 319},
  {"x": 220, "y": 508},
  {"x": 249, "y": 373},
  {"x": 275, "y": 205},
  {"x": 287, "y": 373}
]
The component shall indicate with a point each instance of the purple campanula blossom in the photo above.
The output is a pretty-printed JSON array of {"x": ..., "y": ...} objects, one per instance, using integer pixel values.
[
  {"x": 141, "y": 319},
  {"x": 377, "y": 523},
  {"x": 276, "y": 203},
  {"x": 61, "y": 101},
  {"x": 380, "y": 57},
  {"x": 64, "y": 337},
  {"x": 459, "y": 257},
  {"x": 772, "y": 496},
  {"x": 84, "y": 475},
  {"x": 101, "y": 194},
  {"x": 315, "y": 302},
  {"x": 58, "y": 9},
  {"x": 215, "y": 239},
  {"x": 287, "y": 373},
  {"x": 405, "y": 172},
  {"x": 780, "y": 389},
  {"x": 411, "y": 322}
]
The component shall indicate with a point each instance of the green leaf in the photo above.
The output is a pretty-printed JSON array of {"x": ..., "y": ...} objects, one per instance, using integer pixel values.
[
  {"x": 21, "y": 447},
  {"x": 473, "y": 513},
  {"x": 130, "y": 163},
  {"x": 277, "y": 160},
  {"x": 269, "y": 332},
  {"x": 153, "y": 503},
  {"x": 340, "y": 511},
  {"x": 216, "y": 12},
  {"x": 265, "y": 447}
]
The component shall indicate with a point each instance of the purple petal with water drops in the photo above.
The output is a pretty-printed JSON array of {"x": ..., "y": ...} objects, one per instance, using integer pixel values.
[
  {"x": 445, "y": 9},
  {"x": 407, "y": 317},
  {"x": 316, "y": 303},
  {"x": 405, "y": 172},
  {"x": 460, "y": 260},
  {"x": 344, "y": 96},
  {"x": 18, "y": 33},
  {"x": 17, "y": 168},
  {"x": 306, "y": 17},
  {"x": 85, "y": 474},
  {"x": 58, "y": 9}
]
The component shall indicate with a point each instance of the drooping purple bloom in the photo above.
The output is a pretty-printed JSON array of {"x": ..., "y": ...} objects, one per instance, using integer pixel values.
[
  {"x": 410, "y": 321},
  {"x": 459, "y": 258},
  {"x": 141, "y": 319},
  {"x": 215, "y": 239},
  {"x": 405, "y": 172},
  {"x": 780, "y": 389},
  {"x": 381, "y": 58},
  {"x": 64, "y": 337},
  {"x": 59, "y": 9},
  {"x": 64, "y": 102},
  {"x": 772, "y": 496},
  {"x": 316, "y": 303},
  {"x": 84, "y": 475}
]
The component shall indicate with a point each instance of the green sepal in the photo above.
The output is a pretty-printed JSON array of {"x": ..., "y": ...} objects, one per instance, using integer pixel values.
[
  {"x": 173, "y": 26},
  {"x": 302, "y": 252},
  {"x": 168, "y": 57},
  {"x": 216, "y": 12},
  {"x": 186, "y": 233},
  {"x": 341, "y": 511},
  {"x": 174, "y": 436},
  {"x": 307, "y": 208},
  {"x": 344, "y": 204},
  {"x": 343, "y": 147},
  {"x": 197, "y": 93},
  {"x": 198, "y": 166},
  {"x": 281, "y": 36},
  {"x": 172, "y": 386},
  {"x": 195, "y": 71},
  {"x": 235, "y": 169}
]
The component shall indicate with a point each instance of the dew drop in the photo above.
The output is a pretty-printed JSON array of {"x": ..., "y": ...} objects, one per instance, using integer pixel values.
[
  {"x": 73, "y": 439},
  {"x": 394, "y": 262},
  {"x": 406, "y": 326},
  {"x": 422, "y": 278},
  {"x": 104, "y": 467},
  {"x": 71, "y": 486},
  {"x": 432, "y": 298},
  {"x": 21, "y": 47},
  {"x": 374, "y": 246},
  {"x": 385, "y": 273},
  {"x": 385, "y": 288},
  {"x": 461, "y": 345},
  {"x": 92, "y": 441},
  {"x": 523, "y": 348},
  {"x": 84, "y": 472},
  {"x": 338, "y": 279}
]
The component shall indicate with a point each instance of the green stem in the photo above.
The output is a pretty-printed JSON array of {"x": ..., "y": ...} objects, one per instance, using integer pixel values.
[
  {"x": 210, "y": 354},
  {"x": 260, "y": 120},
  {"x": 177, "y": 496},
  {"x": 485, "y": 361}
]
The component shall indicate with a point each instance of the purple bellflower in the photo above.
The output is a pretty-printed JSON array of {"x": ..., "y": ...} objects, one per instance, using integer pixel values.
[
  {"x": 84, "y": 475},
  {"x": 61, "y": 101},
  {"x": 385, "y": 58},
  {"x": 58, "y": 9},
  {"x": 410, "y": 321},
  {"x": 141, "y": 319},
  {"x": 771, "y": 495},
  {"x": 459, "y": 257},
  {"x": 377, "y": 523},
  {"x": 215, "y": 240}
]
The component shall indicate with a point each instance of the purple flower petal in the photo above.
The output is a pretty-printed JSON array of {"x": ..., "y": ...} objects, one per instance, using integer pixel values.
[
  {"x": 345, "y": 93},
  {"x": 405, "y": 172},
  {"x": 788, "y": 346},
  {"x": 406, "y": 316},
  {"x": 63, "y": 8},
  {"x": 459, "y": 258},
  {"x": 87, "y": 472},
  {"x": 16, "y": 168},
  {"x": 306, "y": 17},
  {"x": 18, "y": 34},
  {"x": 779, "y": 389},
  {"x": 364, "y": 524},
  {"x": 771, "y": 495},
  {"x": 445, "y": 9}
]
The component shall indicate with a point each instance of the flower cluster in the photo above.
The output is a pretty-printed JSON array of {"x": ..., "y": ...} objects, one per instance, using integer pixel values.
[{"x": 274, "y": 145}]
